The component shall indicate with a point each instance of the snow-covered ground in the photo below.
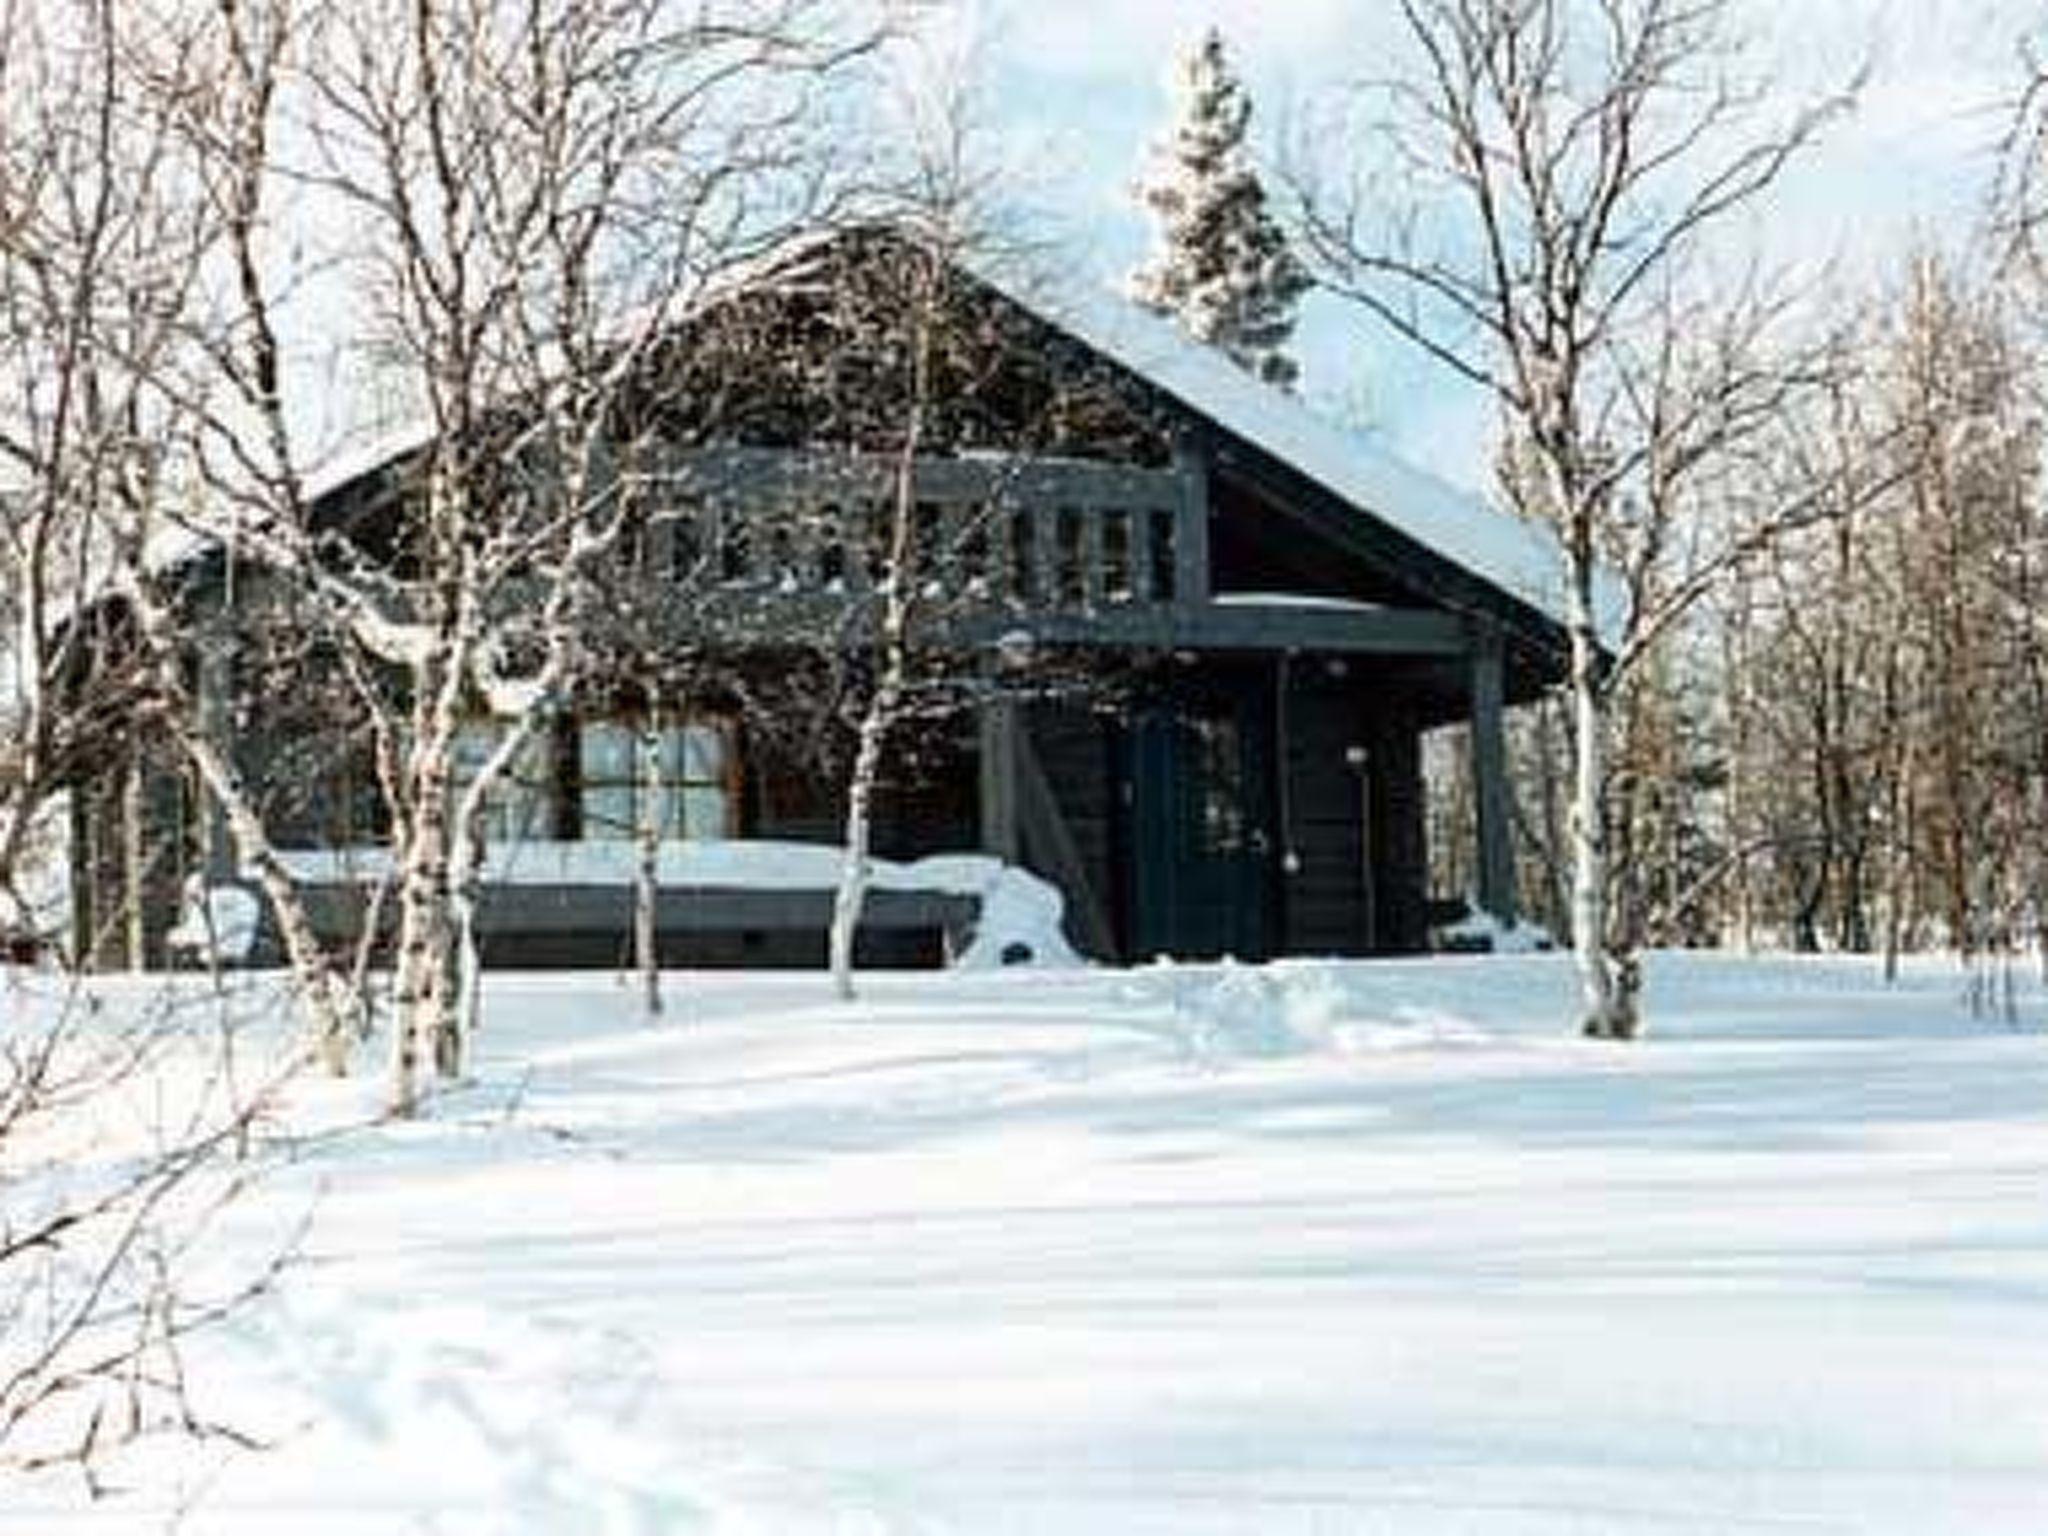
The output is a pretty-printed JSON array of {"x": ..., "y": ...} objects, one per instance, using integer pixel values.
[{"x": 1315, "y": 1248}]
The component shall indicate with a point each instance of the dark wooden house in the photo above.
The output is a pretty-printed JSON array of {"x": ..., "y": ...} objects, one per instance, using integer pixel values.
[{"x": 1264, "y": 612}]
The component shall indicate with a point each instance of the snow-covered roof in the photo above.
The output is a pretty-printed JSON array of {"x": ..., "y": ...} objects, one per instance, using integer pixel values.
[
  {"x": 360, "y": 454},
  {"x": 1521, "y": 558},
  {"x": 359, "y": 458}
]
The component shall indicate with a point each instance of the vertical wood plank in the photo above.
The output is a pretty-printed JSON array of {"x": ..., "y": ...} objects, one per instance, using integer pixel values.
[
  {"x": 1092, "y": 583},
  {"x": 1138, "y": 551},
  {"x": 1191, "y": 526},
  {"x": 999, "y": 820}
]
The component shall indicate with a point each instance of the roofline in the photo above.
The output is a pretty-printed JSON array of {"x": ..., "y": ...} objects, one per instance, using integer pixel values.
[{"x": 1521, "y": 563}]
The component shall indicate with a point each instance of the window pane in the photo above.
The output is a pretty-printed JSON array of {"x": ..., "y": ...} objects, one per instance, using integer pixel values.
[
  {"x": 519, "y": 809},
  {"x": 703, "y": 754},
  {"x": 607, "y": 811},
  {"x": 693, "y": 764},
  {"x": 607, "y": 752},
  {"x": 519, "y": 801},
  {"x": 704, "y": 811},
  {"x": 474, "y": 741}
]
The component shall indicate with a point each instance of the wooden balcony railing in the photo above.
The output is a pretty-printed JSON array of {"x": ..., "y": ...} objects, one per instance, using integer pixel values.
[{"x": 1027, "y": 535}]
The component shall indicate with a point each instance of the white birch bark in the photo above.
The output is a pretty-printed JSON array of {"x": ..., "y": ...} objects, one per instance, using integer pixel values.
[
  {"x": 426, "y": 1028},
  {"x": 652, "y": 810},
  {"x": 1593, "y": 149},
  {"x": 334, "y": 1013},
  {"x": 1597, "y": 992},
  {"x": 893, "y": 642},
  {"x": 855, "y": 871}
]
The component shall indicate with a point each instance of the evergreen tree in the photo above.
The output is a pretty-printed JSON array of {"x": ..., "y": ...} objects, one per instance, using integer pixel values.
[{"x": 1221, "y": 266}]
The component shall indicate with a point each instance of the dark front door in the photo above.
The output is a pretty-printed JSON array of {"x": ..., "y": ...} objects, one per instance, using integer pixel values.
[{"x": 1201, "y": 828}]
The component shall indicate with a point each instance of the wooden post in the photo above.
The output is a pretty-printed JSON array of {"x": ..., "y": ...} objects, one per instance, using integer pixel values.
[
  {"x": 1045, "y": 556},
  {"x": 1496, "y": 857},
  {"x": 1138, "y": 550},
  {"x": 1191, "y": 527},
  {"x": 999, "y": 728},
  {"x": 134, "y": 856},
  {"x": 1093, "y": 579},
  {"x": 1359, "y": 760}
]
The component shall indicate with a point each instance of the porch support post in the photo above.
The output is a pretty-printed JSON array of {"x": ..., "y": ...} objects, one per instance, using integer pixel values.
[
  {"x": 999, "y": 727},
  {"x": 1496, "y": 857}
]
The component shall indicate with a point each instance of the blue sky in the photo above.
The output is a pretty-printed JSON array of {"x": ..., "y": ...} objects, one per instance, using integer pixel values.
[{"x": 1073, "y": 92}]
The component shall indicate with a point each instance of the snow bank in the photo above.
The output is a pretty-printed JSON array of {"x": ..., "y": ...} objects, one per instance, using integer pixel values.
[
  {"x": 985, "y": 1254},
  {"x": 1020, "y": 914},
  {"x": 1225, "y": 1011},
  {"x": 1484, "y": 933},
  {"x": 1019, "y": 922},
  {"x": 1249, "y": 1011},
  {"x": 217, "y": 921}
]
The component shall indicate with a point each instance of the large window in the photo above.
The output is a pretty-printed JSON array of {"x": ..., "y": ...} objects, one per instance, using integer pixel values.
[
  {"x": 519, "y": 805},
  {"x": 692, "y": 777}
]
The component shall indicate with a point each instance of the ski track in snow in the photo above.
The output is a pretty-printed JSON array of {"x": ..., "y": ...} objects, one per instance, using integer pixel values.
[{"x": 1313, "y": 1247}]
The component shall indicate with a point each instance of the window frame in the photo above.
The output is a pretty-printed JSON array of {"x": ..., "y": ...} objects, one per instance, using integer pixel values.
[{"x": 683, "y": 783}]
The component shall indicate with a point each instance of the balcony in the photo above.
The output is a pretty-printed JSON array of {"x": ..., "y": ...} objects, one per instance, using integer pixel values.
[{"x": 741, "y": 544}]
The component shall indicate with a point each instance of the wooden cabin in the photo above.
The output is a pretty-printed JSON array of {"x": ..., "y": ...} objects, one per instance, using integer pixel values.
[{"x": 1201, "y": 629}]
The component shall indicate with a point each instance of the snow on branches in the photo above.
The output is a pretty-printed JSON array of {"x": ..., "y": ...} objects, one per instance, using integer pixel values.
[{"x": 1221, "y": 265}]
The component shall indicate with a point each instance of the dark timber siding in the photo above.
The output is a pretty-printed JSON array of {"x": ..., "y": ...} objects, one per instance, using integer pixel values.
[
  {"x": 1074, "y": 752},
  {"x": 1401, "y": 895},
  {"x": 128, "y": 823},
  {"x": 1327, "y": 903}
]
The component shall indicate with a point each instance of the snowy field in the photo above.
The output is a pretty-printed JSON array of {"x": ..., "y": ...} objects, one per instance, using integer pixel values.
[{"x": 1318, "y": 1248}]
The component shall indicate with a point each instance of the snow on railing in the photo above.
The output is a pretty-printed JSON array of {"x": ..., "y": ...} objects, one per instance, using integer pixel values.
[{"x": 1019, "y": 913}]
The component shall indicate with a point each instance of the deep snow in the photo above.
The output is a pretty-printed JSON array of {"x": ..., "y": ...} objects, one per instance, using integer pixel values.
[{"x": 1308, "y": 1248}]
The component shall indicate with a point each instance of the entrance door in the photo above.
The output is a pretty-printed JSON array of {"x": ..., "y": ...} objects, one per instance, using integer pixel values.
[{"x": 1201, "y": 816}]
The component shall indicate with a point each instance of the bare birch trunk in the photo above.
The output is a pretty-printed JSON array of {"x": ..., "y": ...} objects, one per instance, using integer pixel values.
[
  {"x": 334, "y": 1012},
  {"x": 1605, "y": 991},
  {"x": 422, "y": 938},
  {"x": 1588, "y": 835},
  {"x": 851, "y": 895},
  {"x": 892, "y": 684},
  {"x": 647, "y": 884},
  {"x": 1900, "y": 868},
  {"x": 425, "y": 937}
]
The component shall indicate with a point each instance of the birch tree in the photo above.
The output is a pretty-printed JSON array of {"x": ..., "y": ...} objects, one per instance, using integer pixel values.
[
  {"x": 105, "y": 1204},
  {"x": 105, "y": 254},
  {"x": 1563, "y": 162},
  {"x": 531, "y": 198},
  {"x": 58, "y": 204},
  {"x": 895, "y": 597}
]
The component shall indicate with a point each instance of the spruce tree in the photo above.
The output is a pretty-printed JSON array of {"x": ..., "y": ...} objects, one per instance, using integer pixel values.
[{"x": 1221, "y": 265}]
